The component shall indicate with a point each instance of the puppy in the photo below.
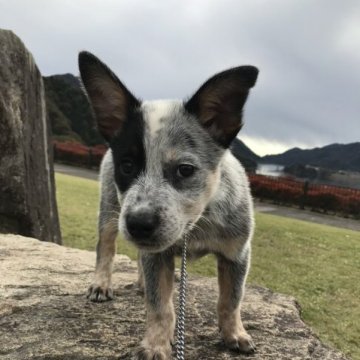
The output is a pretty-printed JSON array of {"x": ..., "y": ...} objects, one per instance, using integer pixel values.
[{"x": 168, "y": 174}]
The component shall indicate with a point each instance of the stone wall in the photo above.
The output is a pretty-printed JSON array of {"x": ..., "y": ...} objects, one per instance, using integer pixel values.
[
  {"x": 44, "y": 313},
  {"x": 27, "y": 189}
]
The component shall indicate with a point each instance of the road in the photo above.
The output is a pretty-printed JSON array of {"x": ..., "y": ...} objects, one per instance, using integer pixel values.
[
  {"x": 76, "y": 171},
  {"x": 263, "y": 207}
]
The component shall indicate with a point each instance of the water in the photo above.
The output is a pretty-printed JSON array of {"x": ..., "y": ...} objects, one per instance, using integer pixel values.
[{"x": 270, "y": 170}]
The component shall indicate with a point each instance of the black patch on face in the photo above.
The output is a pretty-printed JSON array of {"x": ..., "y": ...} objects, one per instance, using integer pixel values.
[{"x": 126, "y": 146}]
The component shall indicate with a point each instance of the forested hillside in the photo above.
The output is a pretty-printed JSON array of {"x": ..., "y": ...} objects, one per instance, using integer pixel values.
[
  {"x": 334, "y": 156},
  {"x": 69, "y": 111}
]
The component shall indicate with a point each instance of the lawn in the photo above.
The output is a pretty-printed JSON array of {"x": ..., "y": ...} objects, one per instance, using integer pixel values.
[{"x": 319, "y": 265}]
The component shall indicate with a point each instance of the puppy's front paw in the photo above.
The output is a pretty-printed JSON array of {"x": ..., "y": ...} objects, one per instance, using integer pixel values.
[
  {"x": 240, "y": 342},
  {"x": 159, "y": 353},
  {"x": 100, "y": 293}
]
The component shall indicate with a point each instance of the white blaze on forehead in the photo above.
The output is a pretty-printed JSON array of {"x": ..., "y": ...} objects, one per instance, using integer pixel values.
[{"x": 156, "y": 113}]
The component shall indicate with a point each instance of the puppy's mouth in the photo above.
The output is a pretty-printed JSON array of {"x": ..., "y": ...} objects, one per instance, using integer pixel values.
[
  {"x": 150, "y": 247},
  {"x": 147, "y": 244}
]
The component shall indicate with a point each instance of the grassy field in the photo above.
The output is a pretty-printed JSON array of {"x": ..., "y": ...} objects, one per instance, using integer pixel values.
[{"x": 319, "y": 265}]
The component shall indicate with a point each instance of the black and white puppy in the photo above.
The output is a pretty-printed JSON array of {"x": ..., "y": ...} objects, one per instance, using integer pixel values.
[{"x": 169, "y": 174}]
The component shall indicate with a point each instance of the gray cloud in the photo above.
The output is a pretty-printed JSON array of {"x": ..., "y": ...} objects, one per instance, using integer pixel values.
[{"x": 308, "y": 54}]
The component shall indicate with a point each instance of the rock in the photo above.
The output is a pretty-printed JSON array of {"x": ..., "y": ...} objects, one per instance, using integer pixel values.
[
  {"x": 27, "y": 197},
  {"x": 44, "y": 313}
]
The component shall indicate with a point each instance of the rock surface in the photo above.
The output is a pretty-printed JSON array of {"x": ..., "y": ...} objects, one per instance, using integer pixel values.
[
  {"x": 45, "y": 315},
  {"x": 27, "y": 190}
]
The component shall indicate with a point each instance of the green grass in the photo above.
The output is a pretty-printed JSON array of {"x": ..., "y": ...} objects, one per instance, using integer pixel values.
[{"x": 319, "y": 265}]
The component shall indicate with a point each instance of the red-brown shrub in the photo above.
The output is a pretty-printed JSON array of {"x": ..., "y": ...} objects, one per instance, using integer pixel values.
[
  {"x": 324, "y": 198},
  {"x": 79, "y": 154}
]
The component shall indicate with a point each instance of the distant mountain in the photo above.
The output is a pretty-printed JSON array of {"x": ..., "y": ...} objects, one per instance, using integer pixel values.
[
  {"x": 69, "y": 111},
  {"x": 247, "y": 157},
  {"x": 334, "y": 156}
]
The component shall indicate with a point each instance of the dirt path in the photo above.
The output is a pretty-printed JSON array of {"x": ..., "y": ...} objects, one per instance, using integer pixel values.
[{"x": 307, "y": 215}]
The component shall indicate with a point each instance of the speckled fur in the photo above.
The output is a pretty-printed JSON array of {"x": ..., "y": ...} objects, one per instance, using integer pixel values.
[{"x": 212, "y": 208}]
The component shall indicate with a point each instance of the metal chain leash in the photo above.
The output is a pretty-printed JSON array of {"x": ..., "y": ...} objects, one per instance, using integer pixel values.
[{"x": 180, "y": 325}]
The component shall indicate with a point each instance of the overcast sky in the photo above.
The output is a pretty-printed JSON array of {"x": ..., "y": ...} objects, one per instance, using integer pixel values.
[{"x": 308, "y": 53}]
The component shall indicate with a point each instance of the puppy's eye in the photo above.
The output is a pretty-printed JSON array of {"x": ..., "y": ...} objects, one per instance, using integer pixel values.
[
  {"x": 185, "y": 170},
  {"x": 127, "y": 167}
]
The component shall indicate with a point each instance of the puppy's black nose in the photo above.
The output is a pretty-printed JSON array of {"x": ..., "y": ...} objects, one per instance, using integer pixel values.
[{"x": 142, "y": 224}]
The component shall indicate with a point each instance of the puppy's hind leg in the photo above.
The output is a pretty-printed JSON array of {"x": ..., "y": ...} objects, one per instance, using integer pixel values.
[
  {"x": 101, "y": 289},
  {"x": 232, "y": 275}
]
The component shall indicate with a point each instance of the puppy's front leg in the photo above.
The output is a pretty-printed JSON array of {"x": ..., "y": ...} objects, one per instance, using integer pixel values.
[
  {"x": 159, "y": 278},
  {"x": 232, "y": 276},
  {"x": 101, "y": 289}
]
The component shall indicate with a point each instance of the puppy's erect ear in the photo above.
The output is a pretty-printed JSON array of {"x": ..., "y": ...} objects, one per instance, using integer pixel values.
[
  {"x": 110, "y": 99},
  {"x": 219, "y": 102}
]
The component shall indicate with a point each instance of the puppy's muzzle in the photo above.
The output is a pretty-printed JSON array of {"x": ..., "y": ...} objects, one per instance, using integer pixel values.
[{"x": 141, "y": 225}]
